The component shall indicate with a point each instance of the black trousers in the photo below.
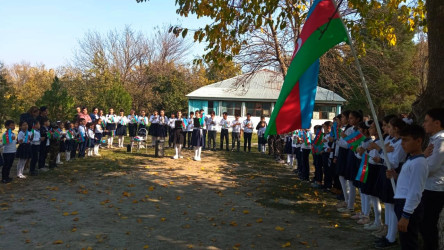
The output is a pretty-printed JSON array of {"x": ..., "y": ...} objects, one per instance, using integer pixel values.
[
  {"x": 326, "y": 167},
  {"x": 184, "y": 133},
  {"x": 212, "y": 138},
  {"x": 8, "y": 160},
  {"x": 223, "y": 135},
  {"x": 319, "y": 173},
  {"x": 189, "y": 134},
  {"x": 35, "y": 149},
  {"x": 43, "y": 154},
  {"x": 409, "y": 239},
  {"x": 247, "y": 141},
  {"x": 433, "y": 202},
  {"x": 170, "y": 136},
  {"x": 74, "y": 147},
  {"x": 204, "y": 134},
  {"x": 54, "y": 149},
  {"x": 235, "y": 138},
  {"x": 82, "y": 148},
  {"x": 305, "y": 170}
]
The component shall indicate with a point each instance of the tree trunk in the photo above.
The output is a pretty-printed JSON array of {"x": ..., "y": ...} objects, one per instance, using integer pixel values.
[{"x": 433, "y": 97}]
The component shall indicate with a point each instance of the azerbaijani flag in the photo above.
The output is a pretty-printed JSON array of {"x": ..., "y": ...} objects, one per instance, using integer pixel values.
[
  {"x": 354, "y": 140},
  {"x": 363, "y": 169},
  {"x": 322, "y": 30},
  {"x": 335, "y": 131},
  {"x": 7, "y": 137}
]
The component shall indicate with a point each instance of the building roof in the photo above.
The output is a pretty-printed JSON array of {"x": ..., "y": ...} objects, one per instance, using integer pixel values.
[{"x": 263, "y": 85}]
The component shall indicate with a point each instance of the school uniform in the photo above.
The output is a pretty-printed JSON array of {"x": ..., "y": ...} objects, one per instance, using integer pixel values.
[
  {"x": 35, "y": 149},
  {"x": 409, "y": 188},
  {"x": 63, "y": 141},
  {"x": 341, "y": 158},
  {"x": 44, "y": 146},
  {"x": 433, "y": 196},
  {"x": 154, "y": 127},
  {"x": 24, "y": 148},
  {"x": 225, "y": 125},
  {"x": 259, "y": 126},
  {"x": 132, "y": 125},
  {"x": 75, "y": 142},
  {"x": 261, "y": 139},
  {"x": 212, "y": 131},
  {"x": 111, "y": 124},
  {"x": 163, "y": 127},
  {"x": 171, "y": 126},
  {"x": 326, "y": 162},
  {"x": 178, "y": 136},
  {"x": 54, "y": 146},
  {"x": 190, "y": 128},
  {"x": 90, "y": 141},
  {"x": 204, "y": 131},
  {"x": 247, "y": 127},
  {"x": 83, "y": 140},
  {"x": 9, "y": 152},
  {"x": 122, "y": 122},
  {"x": 317, "y": 160},
  {"x": 297, "y": 148},
  {"x": 197, "y": 139},
  {"x": 235, "y": 134},
  {"x": 373, "y": 171},
  {"x": 304, "y": 173}
]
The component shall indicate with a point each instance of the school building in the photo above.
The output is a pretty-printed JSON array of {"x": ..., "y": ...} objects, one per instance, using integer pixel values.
[{"x": 257, "y": 94}]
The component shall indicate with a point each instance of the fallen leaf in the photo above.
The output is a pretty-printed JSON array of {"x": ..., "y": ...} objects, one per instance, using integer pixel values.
[
  {"x": 151, "y": 188},
  {"x": 259, "y": 220},
  {"x": 162, "y": 219},
  {"x": 287, "y": 244},
  {"x": 75, "y": 219},
  {"x": 57, "y": 242},
  {"x": 303, "y": 242},
  {"x": 178, "y": 198},
  {"x": 135, "y": 201},
  {"x": 233, "y": 224},
  {"x": 139, "y": 220},
  {"x": 74, "y": 213},
  {"x": 65, "y": 214},
  {"x": 73, "y": 229},
  {"x": 25, "y": 231},
  {"x": 146, "y": 246},
  {"x": 278, "y": 228},
  {"x": 246, "y": 212}
]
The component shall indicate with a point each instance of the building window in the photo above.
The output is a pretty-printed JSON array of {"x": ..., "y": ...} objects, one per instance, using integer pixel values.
[
  {"x": 213, "y": 106},
  {"x": 324, "y": 112},
  {"x": 258, "y": 108},
  {"x": 232, "y": 108}
]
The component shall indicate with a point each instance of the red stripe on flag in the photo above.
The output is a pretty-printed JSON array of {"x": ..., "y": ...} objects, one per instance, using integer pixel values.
[
  {"x": 364, "y": 168},
  {"x": 355, "y": 139},
  {"x": 290, "y": 109}
]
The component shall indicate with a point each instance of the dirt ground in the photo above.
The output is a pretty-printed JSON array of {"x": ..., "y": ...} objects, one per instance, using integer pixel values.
[{"x": 229, "y": 200}]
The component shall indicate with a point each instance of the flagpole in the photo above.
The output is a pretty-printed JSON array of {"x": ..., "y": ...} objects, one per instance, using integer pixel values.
[{"x": 369, "y": 99}]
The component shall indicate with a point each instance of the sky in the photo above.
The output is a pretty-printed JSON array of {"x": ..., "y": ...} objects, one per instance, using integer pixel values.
[{"x": 47, "y": 31}]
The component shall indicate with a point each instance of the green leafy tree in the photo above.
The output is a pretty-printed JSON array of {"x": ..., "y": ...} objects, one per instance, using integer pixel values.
[
  {"x": 117, "y": 97},
  {"x": 8, "y": 109},
  {"x": 60, "y": 104}
]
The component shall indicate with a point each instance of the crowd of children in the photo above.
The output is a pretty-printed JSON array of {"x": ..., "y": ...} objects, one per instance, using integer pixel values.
[{"x": 348, "y": 156}]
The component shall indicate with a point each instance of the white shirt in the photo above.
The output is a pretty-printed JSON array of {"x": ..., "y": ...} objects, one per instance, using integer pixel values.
[
  {"x": 398, "y": 155},
  {"x": 261, "y": 131},
  {"x": 36, "y": 138},
  {"x": 111, "y": 118},
  {"x": 211, "y": 124},
  {"x": 163, "y": 120},
  {"x": 247, "y": 126},
  {"x": 343, "y": 143},
  {"x": 171, "y": 122},
  {"x": 21, "y": 137},
  {"x": 11, "y": 147},
  {"x": 154, "y": 119},
  {"x": 435, "y": 162},
  {"x": 90, "y": 134},
  {"x": 363, "y": 145},
  {"x": 122, "y": 120},
  {"x": 236, "y": 125},
  {"x": 98, "y": 129},
  {"x": 132, "y": 119},
  {"x": 374, "y": 153},
  {"x": 190, "y": 125},
  {"x": 82, "y": 132},
  {"x": 143, "y": 120},
  {"x": 224, "y": 124},
  {"x": 411, "y": 182}
]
